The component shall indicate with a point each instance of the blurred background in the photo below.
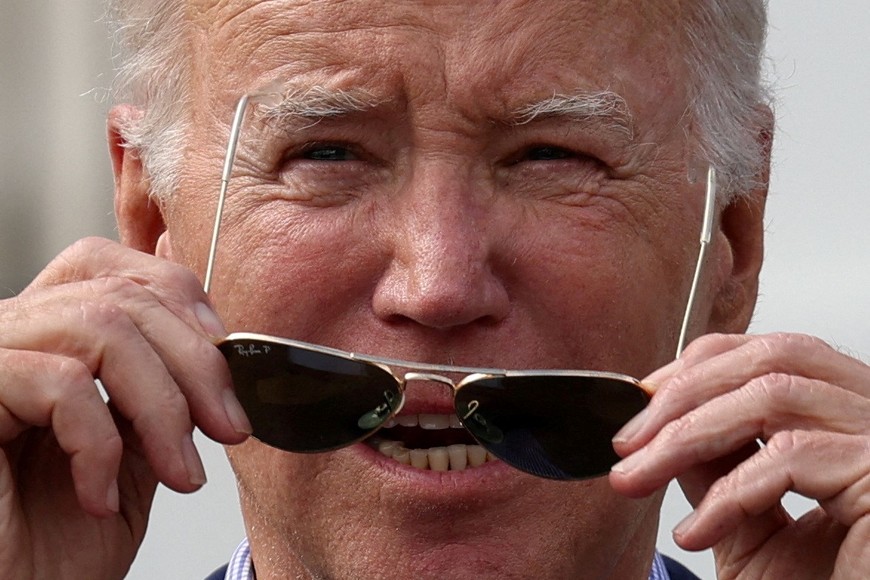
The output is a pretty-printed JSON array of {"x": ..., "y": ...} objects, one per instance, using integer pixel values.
[{"x": 55, "y": 187}]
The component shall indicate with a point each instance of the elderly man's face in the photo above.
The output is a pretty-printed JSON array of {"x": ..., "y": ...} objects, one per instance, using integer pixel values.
[{"x": 443, "y": 220}]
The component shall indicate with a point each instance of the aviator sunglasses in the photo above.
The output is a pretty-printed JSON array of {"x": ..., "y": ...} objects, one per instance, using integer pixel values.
[{"x": 306, "y": 398}]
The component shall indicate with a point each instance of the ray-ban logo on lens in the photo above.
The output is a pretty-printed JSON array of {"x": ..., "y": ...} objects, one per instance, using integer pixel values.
[{"x": 252, "y": 349}]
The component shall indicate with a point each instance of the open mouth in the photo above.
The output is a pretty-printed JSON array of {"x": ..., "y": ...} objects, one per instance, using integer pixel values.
[{"x": 429, "y": 442}]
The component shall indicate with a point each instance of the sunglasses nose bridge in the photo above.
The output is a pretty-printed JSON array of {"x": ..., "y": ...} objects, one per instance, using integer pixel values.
[{"x": 414, "y": 376}]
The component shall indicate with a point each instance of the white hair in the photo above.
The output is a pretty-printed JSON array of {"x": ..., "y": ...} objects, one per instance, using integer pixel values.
[
  {"x": 729, "y": 98},
  {"x": 724, "y": 47},
  {"x": 153, "y": 73}
]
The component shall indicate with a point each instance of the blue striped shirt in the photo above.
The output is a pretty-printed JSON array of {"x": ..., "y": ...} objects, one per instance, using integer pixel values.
[{"x": 241, "y": 566}]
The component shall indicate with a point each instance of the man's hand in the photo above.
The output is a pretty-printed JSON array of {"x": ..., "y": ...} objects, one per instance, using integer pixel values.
[
  {"x": 77, "y": 474},
  {"x": 809, "y": 404}
]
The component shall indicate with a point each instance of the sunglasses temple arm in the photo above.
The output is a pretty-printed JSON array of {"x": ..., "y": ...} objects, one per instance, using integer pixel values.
[
  {"x": 235, "y": 131},
  {"x": 706, "y": 236}
]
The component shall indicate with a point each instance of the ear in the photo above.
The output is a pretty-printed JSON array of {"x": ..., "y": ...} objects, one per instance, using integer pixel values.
[
  {"x": 140, "y": 218},
  {"x": 741, "y": 249}
]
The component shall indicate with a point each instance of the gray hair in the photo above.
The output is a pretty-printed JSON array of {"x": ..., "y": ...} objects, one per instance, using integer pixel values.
[
  {"x": 153, "y": 73},
  {"x": 724, "y": 47},
  {"x": 729, "y": 98}
]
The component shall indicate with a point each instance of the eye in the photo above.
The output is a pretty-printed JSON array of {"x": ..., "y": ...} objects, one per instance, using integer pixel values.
[
  {"x": 547, "y": 153},
  {"x": 329, "y": 152}
]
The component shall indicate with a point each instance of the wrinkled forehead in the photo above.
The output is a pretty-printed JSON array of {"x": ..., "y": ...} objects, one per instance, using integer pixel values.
[
  {"x": 338, "y": 11},
  {"x": 423, "y": 10},
  {"x": 471, "y": 50}
]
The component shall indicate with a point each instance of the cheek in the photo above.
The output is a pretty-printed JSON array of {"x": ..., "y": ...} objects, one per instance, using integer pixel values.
[
  {"x": 608, "y": 298},
  {"x": 295, "y": 273},
  {"x": 269, "y": 477}
]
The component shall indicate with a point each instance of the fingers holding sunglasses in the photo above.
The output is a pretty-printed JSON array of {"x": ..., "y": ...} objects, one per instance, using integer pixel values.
[
  {"x": 79, "y": 320},
  {"x": 50, "y": 391},
  {"x": 817, "y": 465},
  {"x": 108, "y": 332},
  {"x": 717, "y": 364},
  {"x": 193, "y": 361},
  {"x": 766, "y": 406},
  {"x": 150, "y": 289},
  {"x": 808, "y": 402},
  {"x": 109, "y": 346},
  {"x": 172, "y": 285}
]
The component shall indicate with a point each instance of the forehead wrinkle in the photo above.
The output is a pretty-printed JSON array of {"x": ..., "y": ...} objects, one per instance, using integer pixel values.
[
  {"x": 582, "y": 106},
  {"x": 208, "y": 13}
]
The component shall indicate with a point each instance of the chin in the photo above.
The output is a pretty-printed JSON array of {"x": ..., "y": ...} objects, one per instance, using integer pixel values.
[{"x": 355, "y": 513}]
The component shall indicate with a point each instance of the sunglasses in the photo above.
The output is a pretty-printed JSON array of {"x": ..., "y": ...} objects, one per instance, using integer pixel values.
[{"x": 306, "y": 398}]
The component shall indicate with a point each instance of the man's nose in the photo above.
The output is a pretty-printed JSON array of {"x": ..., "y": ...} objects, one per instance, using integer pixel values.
[{"x": 445, "y": 250}]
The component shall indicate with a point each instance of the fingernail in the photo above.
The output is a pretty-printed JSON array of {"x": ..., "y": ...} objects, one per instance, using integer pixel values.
[
  {"x": 663, "y": 374},
  {"x": 195, "y": 470},
  {"x": 209, "y": 320},
  {"x": 632, "y": 428},
  {"x": 113, "y": 501},
  {"x": 236, "y": 415},
  {"x": 631, "y": 462},
  {"x": 684, "y": 526}
]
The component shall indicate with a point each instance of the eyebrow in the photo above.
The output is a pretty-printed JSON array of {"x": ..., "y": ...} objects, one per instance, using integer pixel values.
[
  {"x": 316, "y": 102},
  {"x": 313, "y": 103},
  {"x": 579, "y": 107}
]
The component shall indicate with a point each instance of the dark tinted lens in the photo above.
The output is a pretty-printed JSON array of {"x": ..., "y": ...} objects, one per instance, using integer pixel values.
[
  {"x": 305, "y": 401},
  {"x": 550, "y": 426}
]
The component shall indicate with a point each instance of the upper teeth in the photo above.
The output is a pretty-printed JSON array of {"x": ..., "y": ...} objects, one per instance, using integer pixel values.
[{"x": 425, "y": 421}]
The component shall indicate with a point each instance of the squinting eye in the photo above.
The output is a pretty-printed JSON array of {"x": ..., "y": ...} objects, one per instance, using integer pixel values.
[
  {"x": 328, "y": 153},
  {"x": 545, "y": 153}
]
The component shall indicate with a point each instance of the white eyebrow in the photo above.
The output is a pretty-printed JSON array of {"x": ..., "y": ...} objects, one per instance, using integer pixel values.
[
  {"x": 316, "y": 102},
  {"x": 580, "y": 107}
]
